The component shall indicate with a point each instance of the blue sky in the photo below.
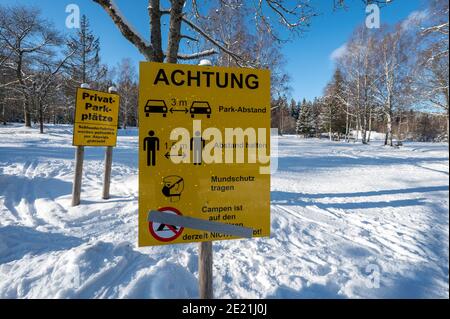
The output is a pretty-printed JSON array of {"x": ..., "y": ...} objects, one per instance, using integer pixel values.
[{"x": 308, "y": 57}]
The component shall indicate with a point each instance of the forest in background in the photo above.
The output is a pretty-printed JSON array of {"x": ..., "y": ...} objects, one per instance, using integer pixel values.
[{"x": 392, "y": 80}]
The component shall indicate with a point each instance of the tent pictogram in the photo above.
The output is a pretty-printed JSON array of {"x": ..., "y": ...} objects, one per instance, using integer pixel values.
[{"x": 163, "y": 232}]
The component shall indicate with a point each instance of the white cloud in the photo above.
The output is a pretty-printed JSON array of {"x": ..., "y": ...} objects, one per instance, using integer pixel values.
[
  {"x": 414, "y": 19},
  {"x": 339, "y": 52}
]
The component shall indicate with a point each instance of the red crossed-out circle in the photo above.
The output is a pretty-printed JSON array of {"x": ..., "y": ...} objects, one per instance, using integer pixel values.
[{"x": 153, "y": 226}]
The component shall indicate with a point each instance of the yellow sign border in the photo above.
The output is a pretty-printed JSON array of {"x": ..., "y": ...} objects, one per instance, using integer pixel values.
[{"x": 166, "y": 93}]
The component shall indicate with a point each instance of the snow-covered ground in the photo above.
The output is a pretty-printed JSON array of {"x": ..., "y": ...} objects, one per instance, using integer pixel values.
[{"x": 348, "y": 220}]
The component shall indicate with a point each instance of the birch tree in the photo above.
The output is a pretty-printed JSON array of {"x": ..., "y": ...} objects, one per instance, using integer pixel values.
[
  {"x": 432, "y": 79},
  {"x": 357, "y": 67},
  {"x": 393, "y": 66}
]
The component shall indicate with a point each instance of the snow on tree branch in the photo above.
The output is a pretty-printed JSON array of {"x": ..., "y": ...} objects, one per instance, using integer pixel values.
[
  {"x": 125, "y": 28},
  {"x": 197, "y": 55},
  {"x": 442, "y": 28}
]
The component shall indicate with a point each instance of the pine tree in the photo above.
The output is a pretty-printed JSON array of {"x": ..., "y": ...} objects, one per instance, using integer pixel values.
[
  {"x": 305, "y": 121},
  {"x": 84, "y": 65},
  {"x": 295, "y": 109},
  {"x": 333, "y": 108}
]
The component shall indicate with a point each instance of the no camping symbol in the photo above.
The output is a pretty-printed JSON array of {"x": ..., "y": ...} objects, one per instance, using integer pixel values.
[{"x": 164, "y": 232}]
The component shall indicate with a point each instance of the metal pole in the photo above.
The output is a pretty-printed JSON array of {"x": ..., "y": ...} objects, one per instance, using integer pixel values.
[
  {"x": 108, "y": 162},
  {"x": 205, "y": 256},
  {"x": 79, "y": 158}
]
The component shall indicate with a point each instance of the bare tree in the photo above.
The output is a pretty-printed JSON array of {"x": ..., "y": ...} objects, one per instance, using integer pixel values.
[
  {"x": 432, "y": 78},
  {"x": 26, "y": 36},
  {"x": 41, "y": 83},
  {"x": 394, "y": 70},
  {"x": 357, "y": 67},
  {"x": 186, "y": 17},
  {"x": 128, "y": 90}
]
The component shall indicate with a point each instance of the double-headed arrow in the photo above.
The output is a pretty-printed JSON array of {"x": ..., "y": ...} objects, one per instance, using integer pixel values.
[
  {"x": 185, "y": 110},
  {"x": 168, "y": 155}
]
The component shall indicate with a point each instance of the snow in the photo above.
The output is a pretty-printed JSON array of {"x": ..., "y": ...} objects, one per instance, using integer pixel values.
[
  {"x": 345, "y": 217},
  {"x": 373, "y": 135}
]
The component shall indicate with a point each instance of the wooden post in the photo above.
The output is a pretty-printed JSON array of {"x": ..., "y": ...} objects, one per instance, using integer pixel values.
[
  {"x": 205, "y": 270},
  {"x": 79, "y": 158},
  {"x": 108, "y": 162},
  {"x": 76, "y": 189},
  {"x": 107, "y": 172},
  {"x": 205, "y": 256}
]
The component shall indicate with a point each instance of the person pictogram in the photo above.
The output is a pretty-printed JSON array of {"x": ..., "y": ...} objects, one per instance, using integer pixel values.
[
  {"x": 151, "y": 145},
  {"x": 197, "y": 145}
]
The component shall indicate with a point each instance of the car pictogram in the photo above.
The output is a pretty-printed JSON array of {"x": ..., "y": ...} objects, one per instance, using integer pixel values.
[
  {"x": 200, "y": 107},
  {"x": 155, "y": 106}
]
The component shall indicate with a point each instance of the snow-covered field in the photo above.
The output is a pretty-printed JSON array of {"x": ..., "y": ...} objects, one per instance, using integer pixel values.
[{"x": 348, "y": 220}]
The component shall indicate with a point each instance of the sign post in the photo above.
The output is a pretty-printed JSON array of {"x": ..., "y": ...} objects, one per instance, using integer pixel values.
[
  {"x": 204, "y": 154},
  {"x": 205, "y": 270},
  {"x": 108, "y": 161},
  {"x": 205, "y": 255},
  {"x": 107, "y": 172},
  {"x": 76, "y": 188},
  {"x": 95, "y": 124},
  {"x": 79, "y": 159}
]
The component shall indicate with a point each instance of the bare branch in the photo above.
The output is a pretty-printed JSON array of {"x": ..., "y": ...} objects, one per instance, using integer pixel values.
[
  {"x": 189, "y": 38},
  {"x": 145, "y": 48},
  {"x": 207, "y": 37},
  {"x": 197, "y": 55}
]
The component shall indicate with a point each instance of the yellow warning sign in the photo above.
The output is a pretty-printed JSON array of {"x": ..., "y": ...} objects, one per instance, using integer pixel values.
[
  {"x": 96, "y": 118},
  {"x": 204, "y": 153}
]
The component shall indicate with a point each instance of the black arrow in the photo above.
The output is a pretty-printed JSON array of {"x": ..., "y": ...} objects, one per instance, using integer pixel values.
[
  {"x": 185, "y": 110},
  {"x": 168, "y": 155}
]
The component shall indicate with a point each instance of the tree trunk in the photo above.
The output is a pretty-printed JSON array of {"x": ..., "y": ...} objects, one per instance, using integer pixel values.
[
  {"x": 155, "y": 30},
  {"x": 358, "y": 127},
  {"x": 347, "y": 125},
  {"x": 41, "y": 118},
  {"x": 26, "y": 114},
  {"x": 26, "y": 108},
  {"x": 176, "y": 14},
  {"x": 3, "y": 114},
  {"x": 407, "y": 127},
  {"x": 137, "y": 117},
  {"x": 447, "y": 99},
  {"x": 330, "y": 130},
  {"x": 364, "y": 128},
  {"x": 448, "y": 136},
  {"x": 388, "y": 138},
  {"x": 399, "y": 128}
]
